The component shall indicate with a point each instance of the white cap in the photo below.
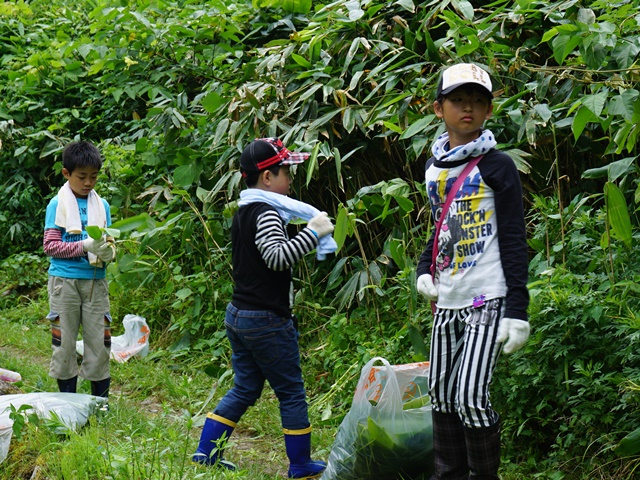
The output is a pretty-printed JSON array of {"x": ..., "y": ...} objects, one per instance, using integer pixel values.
[{"x": 461, "y": 74}]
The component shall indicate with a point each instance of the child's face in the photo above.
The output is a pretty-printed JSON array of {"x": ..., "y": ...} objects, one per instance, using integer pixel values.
[
  {"x": 464, "y": 111},
  {"x": 82, "y": 180},
  {"x": 280, "y": 183}
]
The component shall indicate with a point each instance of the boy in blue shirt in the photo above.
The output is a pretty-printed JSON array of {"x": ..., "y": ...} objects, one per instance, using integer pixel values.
[
  {"x": 78, "y": 290},
  {"x": 259, "y": 322}
]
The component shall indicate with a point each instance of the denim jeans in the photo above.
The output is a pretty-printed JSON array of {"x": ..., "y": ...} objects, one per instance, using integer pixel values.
[{"x": 265, "y": 347}]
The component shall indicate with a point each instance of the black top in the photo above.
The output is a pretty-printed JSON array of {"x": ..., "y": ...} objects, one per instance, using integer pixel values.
[{"x": 262, "y": 257}]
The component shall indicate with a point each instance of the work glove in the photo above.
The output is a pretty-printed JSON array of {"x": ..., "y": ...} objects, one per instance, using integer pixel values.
[
  {"x": 515, "y": 332},
  {"x": 89, "y": 245},
  {"x": 107, "y": 251},
  {"x": 427, "y": 288},
  {"x": 320, "y": 225}
]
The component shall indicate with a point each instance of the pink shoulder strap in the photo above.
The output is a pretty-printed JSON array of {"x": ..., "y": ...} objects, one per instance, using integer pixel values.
[{"x": 445, "y": 208}]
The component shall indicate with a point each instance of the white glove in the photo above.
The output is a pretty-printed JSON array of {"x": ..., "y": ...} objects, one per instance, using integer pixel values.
[
  {"x": 427, "y": 288},
  {"x": 107, "y": 252},
  {"x": 516, "y": 331},
  {"x": 320, "y": 224},
  {"x": 92, "y": 246}
]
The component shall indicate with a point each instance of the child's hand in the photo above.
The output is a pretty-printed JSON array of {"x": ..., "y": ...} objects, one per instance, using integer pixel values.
[
  {"x": 426, "y": 287},
  {"x": 107, "y": 251},
  {"x": 92, "y": 246},
  {"x": 515, "y": 331},
  {"x": 320, "y": 225}
]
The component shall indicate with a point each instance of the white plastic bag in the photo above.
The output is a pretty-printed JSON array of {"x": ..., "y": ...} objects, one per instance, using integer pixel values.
[
  {"x": 73, "y": 410},
  {"x": 134, "y": 342},
  {"x": 383, "y": 437},
  {"x": 9, "y": 375}
]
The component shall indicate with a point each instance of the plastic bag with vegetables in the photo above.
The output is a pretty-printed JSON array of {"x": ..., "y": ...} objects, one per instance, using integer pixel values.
[{"x": 387, "y": 433}]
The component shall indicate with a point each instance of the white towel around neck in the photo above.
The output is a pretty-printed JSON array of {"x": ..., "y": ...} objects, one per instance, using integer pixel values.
[
  {"x": 289, "y": 208},
  {"x": 68, "y": 214}
]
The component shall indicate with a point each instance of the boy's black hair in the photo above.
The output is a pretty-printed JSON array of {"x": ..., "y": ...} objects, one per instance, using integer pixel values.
[
  {"x": 81, "y": 154},
  {"x": 469, "y": 87},
  {"x": 251, "y": 179}
]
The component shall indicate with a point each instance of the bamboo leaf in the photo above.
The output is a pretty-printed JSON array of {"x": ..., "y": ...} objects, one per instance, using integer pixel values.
[
  {"x": 336, "y": 273},
  {"x": 612, "y": 171},
  {"x": 549, "y": 34},
  {"x": 418, "y": 126},
  {"x": 342, "y": 226},
  {"x": 300, "y": 60},
  {"x": 311, "y": 164},
  {"x": 221, "y": 131},
  {"x": 464, "y": 7},
  {"x": 142, "y": 221},
  {"x": 620, "y": 136},
  {"x": 316, "y": 124},
  {"x": 418, "y": 343},
  {"x": 397, "y": 251},
  {"x": 347, "y": 293},
  {"x": 518, "y": 156},
  {"x": 629, "y": 445},
  {"x": 351, "y": 53},
  {"x": 618, "y": 214},
  {"x": 408, "y": 5},
  {"x": 338, "y": 160},
  {"x": 543, "y": 111}
]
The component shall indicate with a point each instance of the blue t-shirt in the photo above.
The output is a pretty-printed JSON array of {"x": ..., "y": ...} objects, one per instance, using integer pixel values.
[{"x": 77, "y": 267}]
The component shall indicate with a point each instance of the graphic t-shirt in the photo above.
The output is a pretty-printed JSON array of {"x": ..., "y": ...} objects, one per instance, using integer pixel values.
[{"x": 482, "y": 247}]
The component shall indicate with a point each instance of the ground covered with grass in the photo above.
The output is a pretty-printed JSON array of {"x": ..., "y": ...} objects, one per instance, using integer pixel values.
[{"x": 157, "y": 406}]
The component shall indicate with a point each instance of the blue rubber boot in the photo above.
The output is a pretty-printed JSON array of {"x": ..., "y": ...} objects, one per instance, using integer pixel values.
[
  {"x": 298, "y": 444},
  {"x": 213, "y": 439}
]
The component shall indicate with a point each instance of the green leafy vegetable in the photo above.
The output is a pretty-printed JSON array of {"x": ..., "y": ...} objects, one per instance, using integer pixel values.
[{"x": 94, "y": 231}]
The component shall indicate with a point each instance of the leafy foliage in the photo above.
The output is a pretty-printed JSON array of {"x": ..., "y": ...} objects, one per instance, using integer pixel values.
[
  {"x": 171, "y": 91},
  {"x": 568, "y": 386}
]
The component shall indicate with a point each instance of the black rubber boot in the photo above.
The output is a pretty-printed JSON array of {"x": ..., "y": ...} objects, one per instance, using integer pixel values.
[
  {"x": 100, "y": 388},
  {"x": 68, "y": 386},
  {"x": 483, "y": 452},
  {"x": 449, "y": 447}
]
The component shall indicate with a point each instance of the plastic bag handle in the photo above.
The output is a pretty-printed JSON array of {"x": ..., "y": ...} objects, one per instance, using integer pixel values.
[{"x": 391, "y": 397}]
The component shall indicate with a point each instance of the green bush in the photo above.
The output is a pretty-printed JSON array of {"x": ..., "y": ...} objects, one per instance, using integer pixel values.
[
  {"x": 567, "y": 392},
  {"x": 22, "y": 275}
]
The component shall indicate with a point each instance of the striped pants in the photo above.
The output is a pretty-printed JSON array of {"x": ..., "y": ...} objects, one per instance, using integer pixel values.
[{"x": 464, "y": 352}]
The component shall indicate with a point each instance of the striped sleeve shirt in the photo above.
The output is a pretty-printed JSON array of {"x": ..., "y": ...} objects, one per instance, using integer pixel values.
[
  {"x": 278, "y": 251},
  {"x": 263, "y": 256},
  {"x": 55, "y": 247}
]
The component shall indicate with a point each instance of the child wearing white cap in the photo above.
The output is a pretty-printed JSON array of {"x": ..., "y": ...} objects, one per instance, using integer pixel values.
[{"x": 474, "y": 272}]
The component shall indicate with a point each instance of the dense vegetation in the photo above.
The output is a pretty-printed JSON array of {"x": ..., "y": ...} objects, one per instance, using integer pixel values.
[{"x": 171, "y": 91}]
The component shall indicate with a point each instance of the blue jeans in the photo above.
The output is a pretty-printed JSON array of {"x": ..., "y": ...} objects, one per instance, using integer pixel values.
[{"x": 265, "y": 347}]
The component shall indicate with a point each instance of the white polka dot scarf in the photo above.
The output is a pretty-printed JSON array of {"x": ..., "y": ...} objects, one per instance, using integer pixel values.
[{"x": 481, "y": 145}]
